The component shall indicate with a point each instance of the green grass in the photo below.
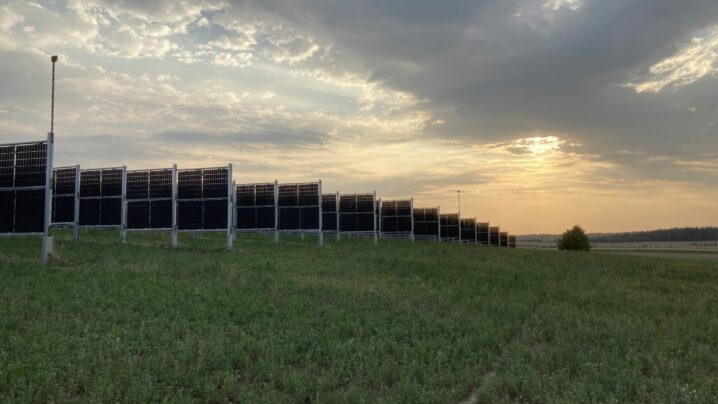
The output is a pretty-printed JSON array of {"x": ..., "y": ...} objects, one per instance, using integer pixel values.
[{"x": 350, "y": 323}]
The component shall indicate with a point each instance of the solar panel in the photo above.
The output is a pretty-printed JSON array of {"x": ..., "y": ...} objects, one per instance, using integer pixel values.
[
  {"x": 426, "y": 223},
  {"x": 203, "y": 199},
  {"x": 26, "y": 190},
  {"x": 7, "y": 211},
  {"x": 7, "y": 166},
  {"x": 65, "y": 186},
  {"x": 329, "y": 213},
  {"x": 23, "y": 179},
  {"x": 512, "y": 241},
  {"x": 149, "y": 199},
  {"x": 504, "y": 239},
  {"x": 30, "y": 165},
  {"x": 450, "y": 229},
  {"x": 357, "y": 213},
  {"x": 102, "y": 197},
  {"x": 468, "y": 230},
  {"x": 397, "y": 218},
  {"x": 29, "y": 209},
  {"x": 482, "y": 233},
  {"x": 256, "y": 206},
  {"x": 494, "y": 236},
  {"x": 299, "y": 207}
]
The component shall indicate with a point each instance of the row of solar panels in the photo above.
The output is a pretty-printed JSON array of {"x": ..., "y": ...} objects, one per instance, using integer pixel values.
[{"x": 206, "y": 199}]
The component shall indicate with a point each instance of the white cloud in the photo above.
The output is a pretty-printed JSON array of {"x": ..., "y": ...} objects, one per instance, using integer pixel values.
[
  {"x": 559, "y": 4},
  {"x": 694, "y": 62}
]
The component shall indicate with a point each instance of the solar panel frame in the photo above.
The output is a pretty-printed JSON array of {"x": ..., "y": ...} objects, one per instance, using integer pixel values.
[
  {"x": 358, "y": 214},
  {"x": 330, "y": 213},
  {"x": 427, "y": 225},
  {"x": 26, "y": 177},
  {"x": 504, "y": 239},
  {"x": 494, "y": 232},
  {"x": 299, "y": 208},
  {"x": 450, "y": 227},
  {"x": 65, "y": 196},
  {"x": 468, "y": 230},
  {"x": 255, "y": 204},
  {"x": 210, "y": 191},
  {"x": 397, "y": 218},
  {"x": 104, "y": 188},
  {"x": 147, "y": 190}
]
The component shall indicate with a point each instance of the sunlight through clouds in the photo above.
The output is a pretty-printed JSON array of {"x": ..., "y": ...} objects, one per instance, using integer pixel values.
[{"x": 526, "y": 105}]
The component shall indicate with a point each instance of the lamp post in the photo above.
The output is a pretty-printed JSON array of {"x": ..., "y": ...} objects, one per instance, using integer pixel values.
[
  {"x": 458, "y": 194},
  {"x": 53, "y": 59}
]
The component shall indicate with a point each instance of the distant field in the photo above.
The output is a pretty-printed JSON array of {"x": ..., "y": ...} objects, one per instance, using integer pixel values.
[
  {"x": 675, "y": 246},
  {"x": 351, "y": 323}
]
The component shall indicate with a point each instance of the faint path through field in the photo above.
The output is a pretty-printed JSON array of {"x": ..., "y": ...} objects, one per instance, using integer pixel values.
[{"x": 473, "y": 398}]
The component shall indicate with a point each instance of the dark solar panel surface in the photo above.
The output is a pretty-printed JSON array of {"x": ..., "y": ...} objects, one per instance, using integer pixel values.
[
  {"x": 396, "y": 216},
  {"x": 255, "y": 206},
  {"x": 22, "y": 193},
  {"x": 426, "y": 222},
  {"x": 203, "y": 198},
  {"x": 299, "y": 206}
]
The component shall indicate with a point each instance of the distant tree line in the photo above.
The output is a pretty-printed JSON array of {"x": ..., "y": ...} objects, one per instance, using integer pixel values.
[{"x": 675, "y": 234}]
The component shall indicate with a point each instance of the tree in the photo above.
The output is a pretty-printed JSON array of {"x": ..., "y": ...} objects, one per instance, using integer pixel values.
[{"x": 574, "y": 239}]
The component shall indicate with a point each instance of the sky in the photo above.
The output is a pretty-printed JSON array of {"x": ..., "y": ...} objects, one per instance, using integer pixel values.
[{"x": 544, "y": 113}]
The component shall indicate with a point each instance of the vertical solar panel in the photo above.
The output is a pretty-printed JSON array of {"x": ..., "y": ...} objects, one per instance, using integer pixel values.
[
  {"x": 7, "y": 166},
  {"x": 504, "y": 239},
  {"x": 329, "y": 212},
  {"x": 512, "y": 241},
  {"x": 149, "y": 199},
  {"x": 300, "y": 207},
  {"x": 494, "y": 236},
  {"x": 23, "y": 187},
  {"x": 7, "y": 211},
  {"x": 468, "y": 230},
  {"x": 203, "y": 199},
  {"x": 255, "y": 207},
  {"x": 357, "y": 213},
  {"x": 397, "y": 218},
  {"x": 450, "y": 229},
  {"x": 101, "y": 197},
  {"x": 482, "y": 233},
  {"x": 426, "y": 223},
  {"x": 64, "y": 188},
  {"x": 30, "y": 165}
]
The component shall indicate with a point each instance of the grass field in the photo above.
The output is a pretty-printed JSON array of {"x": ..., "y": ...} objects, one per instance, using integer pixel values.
[{"x": 351, "y": 323}]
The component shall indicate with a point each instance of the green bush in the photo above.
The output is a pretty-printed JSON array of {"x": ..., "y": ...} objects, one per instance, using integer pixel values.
[{"x": 574, "y": 239}]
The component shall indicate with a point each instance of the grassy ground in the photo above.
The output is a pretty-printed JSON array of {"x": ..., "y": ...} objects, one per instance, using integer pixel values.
[{"x": 351, "y": 323}]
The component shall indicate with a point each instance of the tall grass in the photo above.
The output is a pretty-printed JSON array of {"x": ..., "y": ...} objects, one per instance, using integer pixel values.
[{"x": 403, "y": 322}]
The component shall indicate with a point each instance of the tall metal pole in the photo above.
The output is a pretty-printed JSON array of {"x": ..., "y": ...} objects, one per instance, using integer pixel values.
[
  {"x": 321, "y": 233},
  {"x": 46, "y": 239},
  {"x": 123, "y": 212},
  {"x": 173, "y": 237},
  {"x": 53, "y": 59},
  {"x": 46, "y": 249},
  {"x": 458, "y": 194},
  {"x": 76, "y": 227},
  {"x": 229, "y": 207},
  {"x": 276, "y": 211},
  {"x": 336, "y": 206},
  {"x": 412, "y": 220},
  {"x": 376, "y": 239}
]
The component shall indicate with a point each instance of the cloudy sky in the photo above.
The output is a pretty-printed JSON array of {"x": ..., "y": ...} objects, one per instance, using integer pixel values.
[{"x": 545, "y": 113}]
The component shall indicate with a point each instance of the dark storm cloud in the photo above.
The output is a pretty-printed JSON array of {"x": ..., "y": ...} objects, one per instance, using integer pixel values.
[{"x": 499, "y": 69}]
